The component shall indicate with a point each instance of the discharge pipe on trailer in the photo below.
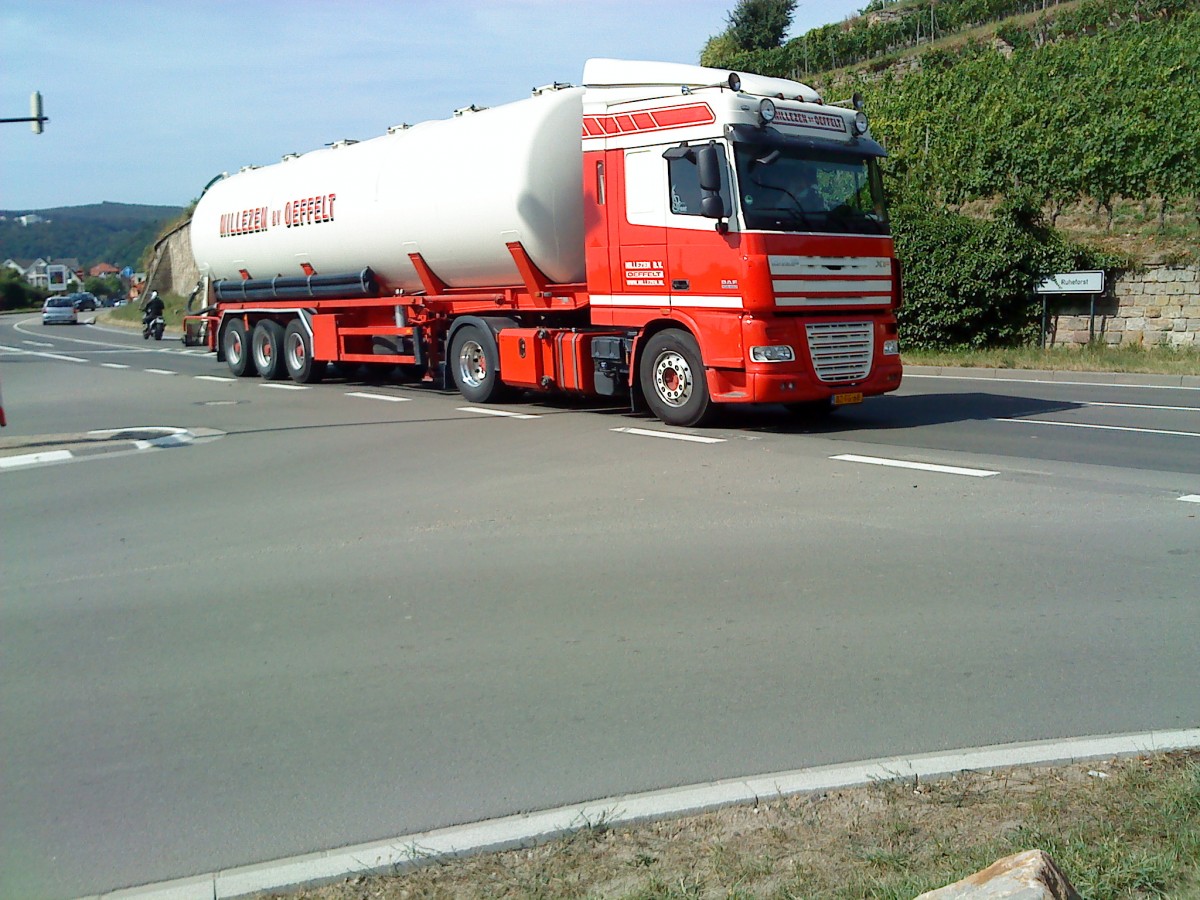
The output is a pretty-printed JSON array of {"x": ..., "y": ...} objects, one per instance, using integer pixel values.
[{"x": 299, "y": 287}]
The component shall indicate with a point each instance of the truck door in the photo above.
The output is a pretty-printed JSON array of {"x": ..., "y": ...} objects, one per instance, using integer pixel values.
[
  {"x": 703, "y": 263},
  {"x": 642, "y": 277}
]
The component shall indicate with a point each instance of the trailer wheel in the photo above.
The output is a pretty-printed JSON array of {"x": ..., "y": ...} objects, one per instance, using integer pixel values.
[
  {"x": 267, "y": 346},
  {"x": 237, "y": 349},
  {"x": 297, "y": 355},
  {"x": 672, "y": 378},
  {"x": 473, "y": 369}
]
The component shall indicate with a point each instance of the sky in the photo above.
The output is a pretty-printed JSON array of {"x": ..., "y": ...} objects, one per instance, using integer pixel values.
[{"x": 148, "y": 101}]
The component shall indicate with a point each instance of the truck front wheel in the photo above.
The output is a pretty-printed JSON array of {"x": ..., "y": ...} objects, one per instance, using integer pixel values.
[
  {"x": 236, "y": 343},
  {"x": 473, "y": 369},
  {"x": 267, "y": 345},
  {"x": 673, "y": 380}
]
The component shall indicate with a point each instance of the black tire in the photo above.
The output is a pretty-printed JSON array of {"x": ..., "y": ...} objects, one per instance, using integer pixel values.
[
  {"x": 236, "y": 344},
  {"x": 267, "y": 349},
  {"x": 673, "y": 380},
  {"x": 297, "y": 355},
  {"x": 473, "y": 368}
]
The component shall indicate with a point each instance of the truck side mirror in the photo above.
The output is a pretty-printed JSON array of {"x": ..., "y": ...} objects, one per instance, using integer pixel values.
[{"x": 709, "y": 164}]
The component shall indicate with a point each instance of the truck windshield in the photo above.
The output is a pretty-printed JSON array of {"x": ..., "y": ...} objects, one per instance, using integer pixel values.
[{"x": 803, "y": 189}]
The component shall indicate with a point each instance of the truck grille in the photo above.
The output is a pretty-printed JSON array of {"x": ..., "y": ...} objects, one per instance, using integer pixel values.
[{"x": 840, "y": 351}]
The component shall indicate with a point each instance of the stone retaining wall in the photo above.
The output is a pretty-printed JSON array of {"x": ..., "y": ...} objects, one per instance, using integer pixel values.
[
  {"x": 173, "y": 269},
  {"x": 1159, "y": 305}
]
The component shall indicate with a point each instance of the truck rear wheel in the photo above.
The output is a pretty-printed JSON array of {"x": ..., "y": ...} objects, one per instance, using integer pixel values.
[
  {"x": 236, "y": 344},
  {"x": 297, "y": 355},
  {"x": 473, "y": 367},
  {"x": 267, "y": 346},
  {"x": 673, "y": 380}
]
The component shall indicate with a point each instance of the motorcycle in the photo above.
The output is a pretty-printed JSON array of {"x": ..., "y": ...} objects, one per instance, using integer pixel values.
[{"x": 154, "y": 327}]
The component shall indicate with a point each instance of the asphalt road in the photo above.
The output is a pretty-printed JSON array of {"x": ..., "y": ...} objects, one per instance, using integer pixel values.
[{"x": 351, "y": 611}]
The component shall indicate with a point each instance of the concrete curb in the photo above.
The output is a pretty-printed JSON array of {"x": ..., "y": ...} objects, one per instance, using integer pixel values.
[
  {"x": 56, "y": 448},
  {"x": 1057, "y": 376},
  {"x": 408, "y": 851}
]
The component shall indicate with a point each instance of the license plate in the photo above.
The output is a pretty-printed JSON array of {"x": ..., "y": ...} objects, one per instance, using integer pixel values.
[{"x": 843, "y": 399}]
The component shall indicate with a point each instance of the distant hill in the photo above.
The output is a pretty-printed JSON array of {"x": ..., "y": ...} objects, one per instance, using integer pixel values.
[{"x": 116, "y": 233}]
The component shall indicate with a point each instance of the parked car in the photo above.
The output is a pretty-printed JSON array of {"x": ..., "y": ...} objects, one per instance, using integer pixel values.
[
  {"x": 85, "y": 301},
  {"x": 59, "y": 311}
]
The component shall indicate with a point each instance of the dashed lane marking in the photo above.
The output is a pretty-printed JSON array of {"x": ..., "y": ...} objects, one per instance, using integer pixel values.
[
  {"x": 671, "y": 436},
  {"x": 496, "y": 412},
  {"x": 38, "y": 343},
  {"x": 114, "y": 366},
  {"x": 287, "y": 387},
  {"x": 1190, "y": 498},
  {"x": 368, "y": 396},
  {"x": 1103, "y": 427},
  {"x": 217, "y": 378},
  {"x": 41, "y": 353},
  {"x": 159, "y": 371},
  {"x": 923, "y": 467}
]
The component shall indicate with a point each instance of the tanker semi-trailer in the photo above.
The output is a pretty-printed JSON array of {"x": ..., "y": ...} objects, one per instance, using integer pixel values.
[{"x": 682, "y": 235}]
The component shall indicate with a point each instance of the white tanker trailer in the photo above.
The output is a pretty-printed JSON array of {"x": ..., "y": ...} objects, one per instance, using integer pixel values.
[
  {"x": 681, "y": 235},
  {"x": 455, "y": 191}
]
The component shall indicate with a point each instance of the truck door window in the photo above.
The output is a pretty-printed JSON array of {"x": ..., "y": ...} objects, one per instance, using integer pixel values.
[{"x": 683, "y": 178}]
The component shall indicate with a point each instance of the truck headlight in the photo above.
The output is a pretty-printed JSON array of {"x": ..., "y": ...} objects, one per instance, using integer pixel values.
[
  {"x": 772, "y": 354},
  {"x": 891, "y": 348}
]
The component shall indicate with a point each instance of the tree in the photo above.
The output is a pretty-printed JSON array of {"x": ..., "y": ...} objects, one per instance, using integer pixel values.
[
  {"x": 102, "y": 287},
  {"x": 16, "y": 292},
  {"x": 760, "y": 24}
]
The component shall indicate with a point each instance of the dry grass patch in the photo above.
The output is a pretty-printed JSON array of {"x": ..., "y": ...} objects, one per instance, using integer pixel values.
[{"x": 1121, "y": 829}]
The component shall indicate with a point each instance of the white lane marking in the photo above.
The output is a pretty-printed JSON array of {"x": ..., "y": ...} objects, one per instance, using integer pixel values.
[
  {"x": 113, "y": 366},
  {"x": 924, "y": 467},
  {"x": 1151, "y": 387},
  {"x": 1103, "y": 427},
  {"x": 1190, "y": 498},
  {"x": 366, "y": 396},
  {"x": 496, "y": 412},
  {"x": 690, "y": 438},
  {"x": 287, "y": 387},
  {"x": 38, "y": 343},
  {"x": 41, "y": 353},
  {"x": 159, "y": 371},
  {"x": 216, "y": 378},
  {"x": 1142, "y": 406},
  {"x": 32, "y": 459},
  {"x": 527, "y": 829}
]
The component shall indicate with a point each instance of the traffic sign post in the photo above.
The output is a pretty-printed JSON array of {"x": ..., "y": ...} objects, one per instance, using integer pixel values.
[
  {"x": 35, "y": 117},
  {"x": 1087, "y": 282}
]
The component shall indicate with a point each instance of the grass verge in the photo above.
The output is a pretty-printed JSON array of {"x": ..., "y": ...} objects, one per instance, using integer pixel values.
[
  {"x": 1121, "y": 829},
  {"x": 131, "y": 313},
  {"x": 1093, "y": 358}
]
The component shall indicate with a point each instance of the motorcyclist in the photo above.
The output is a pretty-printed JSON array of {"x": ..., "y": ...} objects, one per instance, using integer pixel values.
[{"x": 153, "y": 308}]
